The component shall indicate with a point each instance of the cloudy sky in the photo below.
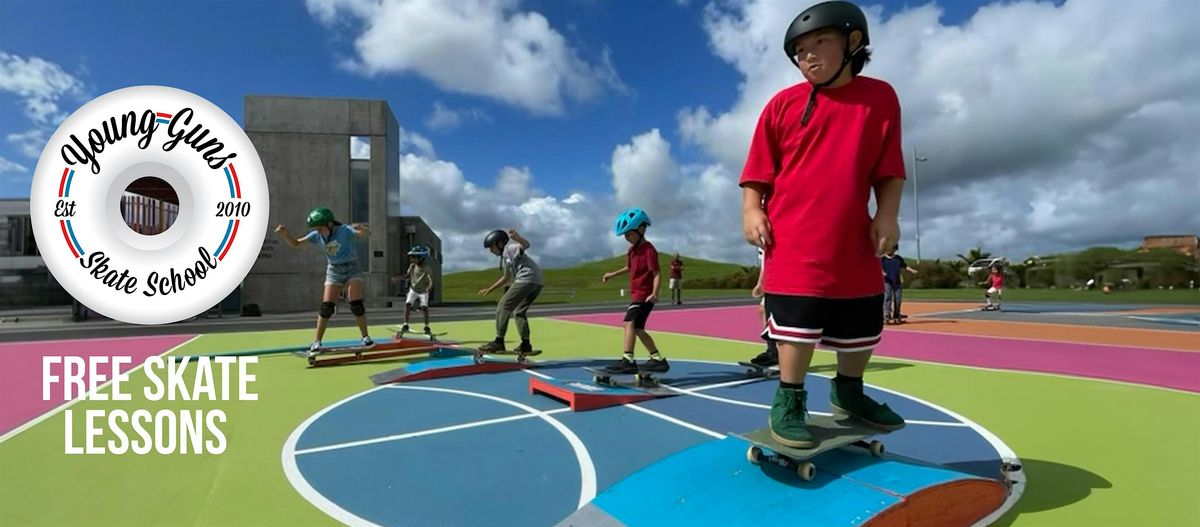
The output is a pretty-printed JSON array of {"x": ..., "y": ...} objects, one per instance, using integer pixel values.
[{"x": 1047, "y": 126}]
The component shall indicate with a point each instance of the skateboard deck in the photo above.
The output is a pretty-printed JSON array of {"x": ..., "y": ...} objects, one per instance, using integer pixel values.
[
  {"x": 754, "y": 370},
  {"x": 430, "y": 336},
  {"x": 990, "y": 308},
  {"x": 346, "y": 354},
  {"x": 641, "y": 379},
  {"x": 480, "y": 355},
  {"x": 336, "y": 350},
  {"x": 829, "y": 432}
]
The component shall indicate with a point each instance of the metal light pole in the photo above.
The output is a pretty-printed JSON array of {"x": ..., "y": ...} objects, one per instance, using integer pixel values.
[{"x": 917, "y": 199}]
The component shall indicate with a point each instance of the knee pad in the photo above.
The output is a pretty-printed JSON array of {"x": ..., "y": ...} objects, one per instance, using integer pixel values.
[
  {"x": 356, "y": 307},
  {"x": 327, "y": 309}
]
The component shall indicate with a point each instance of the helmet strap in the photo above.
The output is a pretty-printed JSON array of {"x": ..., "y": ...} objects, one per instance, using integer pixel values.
[{"x": 812, "y": 95}]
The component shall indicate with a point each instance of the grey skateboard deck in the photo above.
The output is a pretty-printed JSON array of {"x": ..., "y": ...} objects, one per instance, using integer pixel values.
[{"x": 829, "y": 432}]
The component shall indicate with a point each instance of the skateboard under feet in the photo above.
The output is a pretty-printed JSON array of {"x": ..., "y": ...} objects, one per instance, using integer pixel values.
[
  {"x": 521, "y": 357},
  {"x": 829, "y": 432}
]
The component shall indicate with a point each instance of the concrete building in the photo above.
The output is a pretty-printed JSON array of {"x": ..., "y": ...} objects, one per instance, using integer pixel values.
[
  {"x": 305, "y": 146},
  {"x": 24, "y": 279}
]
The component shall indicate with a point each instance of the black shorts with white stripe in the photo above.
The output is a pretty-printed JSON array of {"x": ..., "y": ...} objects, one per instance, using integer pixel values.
[
  {"x": 850, "y": 324},
  {"x": 637, "y": 313}
]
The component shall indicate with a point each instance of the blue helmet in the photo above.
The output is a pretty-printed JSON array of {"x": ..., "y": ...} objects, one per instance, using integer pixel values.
[
  {"x": 630, "y": 220},
  {"x": 419, "y": 251}
]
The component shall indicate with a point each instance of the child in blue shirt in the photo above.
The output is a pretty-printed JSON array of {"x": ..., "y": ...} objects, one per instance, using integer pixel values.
[{"x": 340, "y": 244}]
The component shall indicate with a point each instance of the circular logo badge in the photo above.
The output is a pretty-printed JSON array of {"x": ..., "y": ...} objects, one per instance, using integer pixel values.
[{"x": 149, "y": 205}]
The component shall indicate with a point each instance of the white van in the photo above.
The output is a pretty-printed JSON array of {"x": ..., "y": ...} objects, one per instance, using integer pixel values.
[{"x": 984, "y": 264}]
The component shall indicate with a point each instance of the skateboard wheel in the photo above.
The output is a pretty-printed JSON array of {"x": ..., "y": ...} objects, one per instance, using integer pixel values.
[
  {"x": 807, "y": 471},
  {"x": 600, "y": 379},
  {"x": 876, "y": 448},
  {"x": 751, "y": 372},
  {"x": 478, "y": 359},
  {"x": 754, "y": 454},
  {"x": 312, "y": 361}
]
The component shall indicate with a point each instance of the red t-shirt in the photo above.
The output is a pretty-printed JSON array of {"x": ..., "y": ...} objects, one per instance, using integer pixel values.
[
  {"x": 676, "y": 269},
  {"x": 643, "y": 265},
  {"x": 997, "y": 280},
  {"x": 820, "y": 177}
]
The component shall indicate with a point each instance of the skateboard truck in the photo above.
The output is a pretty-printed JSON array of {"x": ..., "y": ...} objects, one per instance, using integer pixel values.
[
  {"x": 604, "y": 377},
  {"x": 521, "y": 357}
]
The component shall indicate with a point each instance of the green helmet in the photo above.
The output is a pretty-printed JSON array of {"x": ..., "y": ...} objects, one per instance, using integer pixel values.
[{"x": 320, "y": 216}]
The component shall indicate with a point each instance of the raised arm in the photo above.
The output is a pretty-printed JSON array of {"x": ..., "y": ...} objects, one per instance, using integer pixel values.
[
  {"x": 287, "y": 237},
  {"x": 516, "y": 237}
]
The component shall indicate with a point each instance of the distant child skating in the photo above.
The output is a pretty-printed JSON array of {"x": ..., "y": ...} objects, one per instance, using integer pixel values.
[
  {"x": 995, "y": 283},
  {"x": 420, "y": 283},
  {"x": 893, "y": 285}
]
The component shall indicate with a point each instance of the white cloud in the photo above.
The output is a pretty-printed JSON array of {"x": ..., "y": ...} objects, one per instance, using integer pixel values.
[
  {"x": 360, "y": 147},
  {"x": 40, "y": 85},
  {"x": 695, "y": 209},
  {"x": 446, "y": 118},
  {"x": 1047, "y": 127},
  {"x": 30, "y": 142},
  {"x": 563, "y": 231},
  {"x": 488, "y": 48},
  {"x": 9, "y": 166}
]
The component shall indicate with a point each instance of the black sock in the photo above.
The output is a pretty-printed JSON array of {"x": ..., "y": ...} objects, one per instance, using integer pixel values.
[
  {"x": 847, "y": 379},
  {"x": 790, "y": 386}
]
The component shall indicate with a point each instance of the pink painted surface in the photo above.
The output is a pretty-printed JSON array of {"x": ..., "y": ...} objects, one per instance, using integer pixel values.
[
  {"x": 21, "y": 373},
  {"x": 1155, "y": 367}
]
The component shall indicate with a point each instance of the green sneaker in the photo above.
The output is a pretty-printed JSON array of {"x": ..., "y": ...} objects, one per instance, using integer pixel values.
[
  {"x": 848, "y": 398},
  {"x": 787, "y": 418}
]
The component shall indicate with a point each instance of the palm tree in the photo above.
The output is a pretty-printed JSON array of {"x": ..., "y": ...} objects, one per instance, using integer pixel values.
[{"x": 974, "y": 255}]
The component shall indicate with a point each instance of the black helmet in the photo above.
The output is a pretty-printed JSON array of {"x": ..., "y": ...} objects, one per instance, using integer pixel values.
[
  {"x": 841, "y": 15},
  {"x": 494, "y": 237}
]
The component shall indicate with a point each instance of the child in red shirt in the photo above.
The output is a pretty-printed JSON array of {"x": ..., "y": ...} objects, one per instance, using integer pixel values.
[
  {"x": 819, "y": 150},
  {"x": 995, "y": 283},
  {"x": 644, "y": 281}
]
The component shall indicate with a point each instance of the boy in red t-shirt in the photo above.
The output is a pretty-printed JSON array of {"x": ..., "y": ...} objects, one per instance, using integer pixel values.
[
  {"x": 819, "y": 150},
  {"x": 995, "y": 283},
  {"x": 644, "y": 281}
]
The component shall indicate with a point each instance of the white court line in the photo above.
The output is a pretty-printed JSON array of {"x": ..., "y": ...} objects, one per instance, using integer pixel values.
[
  {"x": 693, "y": 393},
  {"x": 720, "y": 385},
  {"x": 68, "y": 404},
  {"x": 431, "y": 431},
  {"x": 679, "y": 422},
  {"x": 940, "y": 313},
  {"x": 587, "y": 469},
  {"x": 291, "y": 471}
]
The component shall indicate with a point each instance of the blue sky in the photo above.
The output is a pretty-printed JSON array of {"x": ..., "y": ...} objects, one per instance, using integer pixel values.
[
  {"x": 224, "y": 50},
  {"x": 695, "y": 72}
]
